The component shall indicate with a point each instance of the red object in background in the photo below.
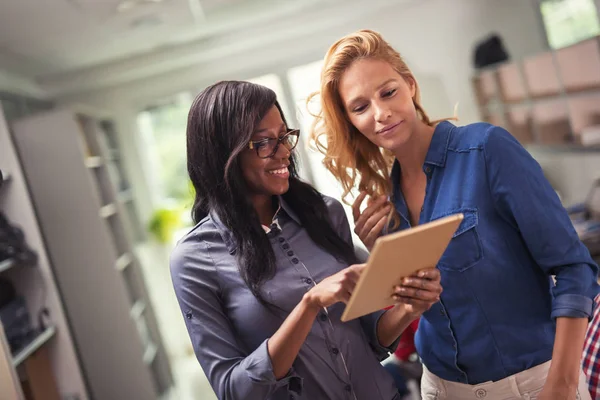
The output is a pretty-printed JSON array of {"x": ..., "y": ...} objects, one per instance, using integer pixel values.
[{"x": 406, "y": 345}]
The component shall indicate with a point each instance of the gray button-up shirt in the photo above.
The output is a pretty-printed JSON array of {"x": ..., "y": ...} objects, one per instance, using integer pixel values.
[{"x": 229, "y": 328}]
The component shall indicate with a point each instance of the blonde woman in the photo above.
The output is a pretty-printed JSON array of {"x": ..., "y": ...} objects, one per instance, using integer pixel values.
[{"x": 502, "y": 329}]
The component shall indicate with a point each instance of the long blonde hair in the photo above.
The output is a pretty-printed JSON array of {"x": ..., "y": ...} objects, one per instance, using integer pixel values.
[{"x": 349, "y": 155}]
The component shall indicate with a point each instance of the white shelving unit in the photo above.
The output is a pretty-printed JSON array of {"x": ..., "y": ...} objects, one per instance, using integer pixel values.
[
  {"x": 546, "y": 99},
  {"x": 37, "y": 286},
  {"x": 72, "y": 162}
]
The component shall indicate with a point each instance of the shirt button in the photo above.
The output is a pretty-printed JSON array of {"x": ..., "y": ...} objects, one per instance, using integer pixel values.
[
  {"x": 281, "y": 240},
  {"x": 290, "y": 253},
  {"x": 442, "y": 312},
  {"x": 308, "y": 281},
  {"x": 335, "y": 351},
  {"x": 427, "y": 169},
  {"x": 285, "y": 246},
  {"x": 295, "y": 260},
  {"x": 348, "y": 388},
  {"x": 323, "y": 317}
]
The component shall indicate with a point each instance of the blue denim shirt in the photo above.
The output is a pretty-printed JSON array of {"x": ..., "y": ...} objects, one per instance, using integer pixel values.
[
  {"x": 229, "y": 328},
  {"x": 496, "y": 314}
]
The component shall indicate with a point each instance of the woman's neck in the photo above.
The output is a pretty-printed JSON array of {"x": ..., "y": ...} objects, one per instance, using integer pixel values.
[
  {"x": 265, "y": 208},
  {"x": 411, "y": 155}
]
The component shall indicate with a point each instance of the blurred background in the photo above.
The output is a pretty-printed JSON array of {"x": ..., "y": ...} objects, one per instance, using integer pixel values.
[{"x": 94, "y": 96}]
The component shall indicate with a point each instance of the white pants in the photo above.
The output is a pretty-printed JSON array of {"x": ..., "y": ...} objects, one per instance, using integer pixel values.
[{"x": 524, "y": 385}]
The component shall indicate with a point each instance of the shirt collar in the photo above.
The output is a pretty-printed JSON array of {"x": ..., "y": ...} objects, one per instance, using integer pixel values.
[
  {"x": 228, "y": 237},
  {"x": 438, "y": 149}
]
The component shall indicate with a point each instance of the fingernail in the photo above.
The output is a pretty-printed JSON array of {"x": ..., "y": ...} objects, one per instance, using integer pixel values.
[{"x": 421, "y": 274}]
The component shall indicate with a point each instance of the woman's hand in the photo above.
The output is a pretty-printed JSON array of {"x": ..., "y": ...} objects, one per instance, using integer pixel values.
[
  {"x": 419, "y": 292},
  {"x": 336, "y": 288},
  {"x": 369, "y": 224}
]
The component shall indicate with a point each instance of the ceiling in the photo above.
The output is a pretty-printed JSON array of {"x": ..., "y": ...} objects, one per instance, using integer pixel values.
[
  {"x": 71, "y": 43},
  {"x": 50, "y": 36}
]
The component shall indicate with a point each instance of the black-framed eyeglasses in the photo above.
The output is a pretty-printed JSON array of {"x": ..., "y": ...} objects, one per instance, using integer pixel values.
[{"x": 266, "y": 148}]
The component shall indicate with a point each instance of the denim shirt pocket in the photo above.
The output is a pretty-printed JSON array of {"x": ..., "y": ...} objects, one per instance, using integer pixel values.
[{"x": 464, "y": 250}]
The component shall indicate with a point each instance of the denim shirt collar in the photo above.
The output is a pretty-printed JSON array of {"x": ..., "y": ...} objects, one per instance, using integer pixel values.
[
  {"x": 229, "y": 238},
  {"x": 436, "y": 155}
]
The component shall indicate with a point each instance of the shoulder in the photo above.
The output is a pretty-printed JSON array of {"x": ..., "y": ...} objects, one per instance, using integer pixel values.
[
  {"x": 197, "y": 248},
  {"x": 475, "y": 136},
  {"x": 335, "y": 209},
  {"x": 333, "y": 205}
]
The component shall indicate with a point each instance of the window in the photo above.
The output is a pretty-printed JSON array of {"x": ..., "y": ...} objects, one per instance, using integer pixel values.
[
  {"x": 304, "y": 80},
  {"x": 569, "y": 21}
]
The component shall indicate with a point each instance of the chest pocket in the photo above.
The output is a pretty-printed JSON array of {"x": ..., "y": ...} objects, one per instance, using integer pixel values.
[{"x": 464, "y": 250}]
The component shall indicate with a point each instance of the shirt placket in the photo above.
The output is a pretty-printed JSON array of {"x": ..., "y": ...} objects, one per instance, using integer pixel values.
[{"x": 336, "y": 354}]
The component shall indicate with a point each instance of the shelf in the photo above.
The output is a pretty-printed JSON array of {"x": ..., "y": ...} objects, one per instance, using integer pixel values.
[
  {"x": 138, "y": 309},
  {"x": 6, "y": 264},
  {"x": 125, "y": 196},
  {"x": 123, "y": 262},
  {"x": 38, "y": 342},
  {"x": 150, "y": 354},
  {"x": 94, "y": 162},
  {"x": 108, "y": 210}
]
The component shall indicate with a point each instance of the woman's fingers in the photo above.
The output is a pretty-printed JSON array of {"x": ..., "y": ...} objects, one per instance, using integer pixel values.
[
  {"x": 356, "y": 205},
  {"x": 367, "y": 227},
  {"x": 416, "y": 293},
  {"x": 422, "y": 284},
  {"x": 429, "y": 273},
  {"x": 363, "y": 217},
  {"x": 375, "y": 232}
]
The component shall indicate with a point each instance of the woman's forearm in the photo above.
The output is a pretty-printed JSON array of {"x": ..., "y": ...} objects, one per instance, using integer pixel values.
[
  {"x": 285, "y": 344},
  {"x": 392, "y": 323},
  {"x": 568, "y": 349}
]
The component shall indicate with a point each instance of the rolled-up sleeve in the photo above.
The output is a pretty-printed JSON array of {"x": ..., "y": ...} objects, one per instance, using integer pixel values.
[
  {"x": 232, "y": 373},
  {"x": 368, "y": 322},
  {"x": 525, "y": 198}
]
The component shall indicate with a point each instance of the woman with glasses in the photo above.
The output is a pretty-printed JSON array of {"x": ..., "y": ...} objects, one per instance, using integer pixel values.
[{"x": 262, "y": 278}]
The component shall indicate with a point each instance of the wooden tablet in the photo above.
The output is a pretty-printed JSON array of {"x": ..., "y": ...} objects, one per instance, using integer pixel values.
[{"x": 397, "y": 256}]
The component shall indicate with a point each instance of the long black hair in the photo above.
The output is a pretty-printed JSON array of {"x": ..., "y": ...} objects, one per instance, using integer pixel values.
[{"x": 221, "y": 121}]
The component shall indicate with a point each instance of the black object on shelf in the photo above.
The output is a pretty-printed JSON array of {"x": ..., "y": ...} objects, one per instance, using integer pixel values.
[
  {"x": 489, "y": 51},
  {"x": 13, "y": 245}
]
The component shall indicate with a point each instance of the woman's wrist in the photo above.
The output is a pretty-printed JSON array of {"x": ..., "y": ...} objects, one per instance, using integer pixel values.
[{"x": 310, "y": 301}]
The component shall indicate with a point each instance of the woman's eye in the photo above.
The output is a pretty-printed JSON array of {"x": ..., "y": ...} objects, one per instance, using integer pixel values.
[
  {"x": 359, "y": 109},
  {"x": 389, "y": 93}
]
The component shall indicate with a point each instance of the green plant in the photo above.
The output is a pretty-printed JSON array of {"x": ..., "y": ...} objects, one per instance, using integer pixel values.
[{"x": 164, "y": 222}]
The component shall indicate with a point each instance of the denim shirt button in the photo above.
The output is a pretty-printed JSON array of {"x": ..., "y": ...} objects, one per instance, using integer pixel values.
[{"x": 281, "y": 240}]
